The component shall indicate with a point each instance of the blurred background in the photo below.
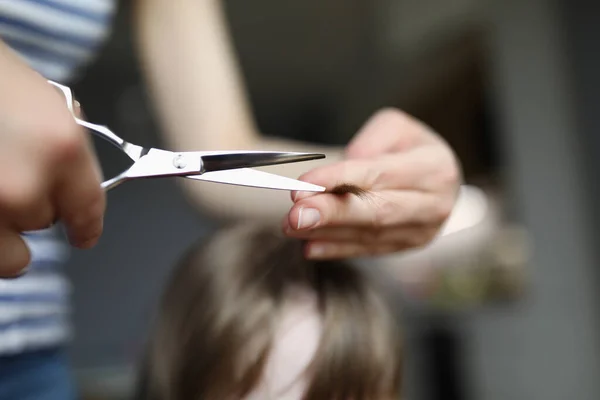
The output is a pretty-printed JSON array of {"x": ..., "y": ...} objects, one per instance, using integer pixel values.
[{"x": 511, "y": 85}]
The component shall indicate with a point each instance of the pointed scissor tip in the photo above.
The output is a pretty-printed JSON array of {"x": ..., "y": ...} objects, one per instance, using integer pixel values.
[{"x": 296, "y": 157}]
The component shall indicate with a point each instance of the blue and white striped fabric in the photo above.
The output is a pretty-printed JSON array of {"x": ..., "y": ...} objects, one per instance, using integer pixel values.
[
  {"x": 56, "y": 38},
  {"x": 34, "y": 309}
]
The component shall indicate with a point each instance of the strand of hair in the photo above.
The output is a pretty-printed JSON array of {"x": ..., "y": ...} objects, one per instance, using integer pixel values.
[{"x": 348, "y": 188}]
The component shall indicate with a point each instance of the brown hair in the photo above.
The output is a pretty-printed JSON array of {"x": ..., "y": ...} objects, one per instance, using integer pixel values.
[
  {"x": 348, "y": 189},
  {"x": 217, "y": 320}
]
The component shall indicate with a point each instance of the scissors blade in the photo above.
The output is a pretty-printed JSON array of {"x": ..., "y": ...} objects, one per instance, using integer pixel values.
[
  {"x": 255, "y": 178},
  {"x": 249, "y": 159}
]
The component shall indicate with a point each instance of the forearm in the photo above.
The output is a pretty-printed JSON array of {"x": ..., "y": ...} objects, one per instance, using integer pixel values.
[
  {"x": 193, "y": 75},
  {"x": 201, "y": 101}
]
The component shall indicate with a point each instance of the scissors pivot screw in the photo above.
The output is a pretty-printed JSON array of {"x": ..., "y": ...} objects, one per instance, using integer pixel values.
[{"x": 179, "y": 162}]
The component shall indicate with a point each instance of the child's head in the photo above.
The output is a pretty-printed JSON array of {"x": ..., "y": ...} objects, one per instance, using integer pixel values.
[{"x": 246, "y": 316}]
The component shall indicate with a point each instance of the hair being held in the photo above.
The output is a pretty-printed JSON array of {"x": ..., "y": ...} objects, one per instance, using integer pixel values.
[{"x": 246, "y": 316}]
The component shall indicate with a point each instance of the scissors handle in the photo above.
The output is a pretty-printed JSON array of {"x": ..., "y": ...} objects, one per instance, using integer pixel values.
[
  {"x": 133, "y": 151},
  {"x": 98, "y": 130}
]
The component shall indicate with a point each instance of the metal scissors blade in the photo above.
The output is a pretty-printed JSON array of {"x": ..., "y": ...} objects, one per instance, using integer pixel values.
[
  {"x": 157, "y": 162},
  {"x": 256, "y": 178},
  {"x": 249, "y": 159}
]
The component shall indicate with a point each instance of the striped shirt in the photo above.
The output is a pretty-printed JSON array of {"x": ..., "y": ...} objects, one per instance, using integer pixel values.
[{"x": 56, "y": 38}]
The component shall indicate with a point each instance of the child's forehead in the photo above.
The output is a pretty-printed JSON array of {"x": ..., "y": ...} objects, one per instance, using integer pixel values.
[{"x": 294, "y": 347}]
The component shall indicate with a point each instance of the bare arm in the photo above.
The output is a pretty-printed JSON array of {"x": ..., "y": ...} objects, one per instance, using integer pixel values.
[{"x": 192, "y": 71}]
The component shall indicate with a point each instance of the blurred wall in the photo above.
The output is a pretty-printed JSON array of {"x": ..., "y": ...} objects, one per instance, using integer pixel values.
[{"x": 547, "y": 347}]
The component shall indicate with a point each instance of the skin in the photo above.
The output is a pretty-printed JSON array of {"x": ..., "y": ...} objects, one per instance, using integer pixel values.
[
  {"x": 410, "y": 181},
  {"x": 296, "y": 342},
  {"x": 48, "y": 171}
]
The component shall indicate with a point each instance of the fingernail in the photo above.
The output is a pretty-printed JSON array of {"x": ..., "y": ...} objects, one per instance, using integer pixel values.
[
  {"x": 16, "y": 275},
  {"x": 308, "y": 217},
  {"x": 90, "y": 240},
  {"x": 87, "y": 243}
]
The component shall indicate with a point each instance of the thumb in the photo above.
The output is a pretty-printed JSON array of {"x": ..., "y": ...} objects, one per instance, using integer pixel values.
[{"x": 329, "y": 207}]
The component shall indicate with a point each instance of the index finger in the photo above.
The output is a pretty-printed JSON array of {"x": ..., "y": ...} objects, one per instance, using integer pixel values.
[
  {"x": 394, "y": 188},
  {"x": 80, "y": 200},
  {"x": 418, "y": 169}
]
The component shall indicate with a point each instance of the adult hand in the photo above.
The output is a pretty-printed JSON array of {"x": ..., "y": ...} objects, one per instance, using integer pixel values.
[
  {"x": 410, "y": 177},
  {"x": 47, "y": 168}
]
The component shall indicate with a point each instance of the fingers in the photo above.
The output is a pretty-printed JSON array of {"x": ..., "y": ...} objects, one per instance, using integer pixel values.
[
  {"x": 14, "y": 253},
  {"x": 380, "y": 210},
  {"x": 27, "y": 220},
  {"x": 347, "y": 241},
  {"x": 418, "y": 169},
  {"x": 344, "y": 242},
  {"x": 400, "y": 189},
  {"x": 399, "y": 235},
  {"x": 389, "y": 130},
  {"x": 24, "y": 203},
  {"x": 80, "y": 201}
]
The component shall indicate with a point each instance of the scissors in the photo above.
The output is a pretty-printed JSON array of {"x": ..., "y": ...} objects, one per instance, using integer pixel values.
[{"x": 229, "y": 167}]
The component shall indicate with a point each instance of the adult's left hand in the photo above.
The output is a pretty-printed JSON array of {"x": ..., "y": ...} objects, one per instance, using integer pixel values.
[{"x": 410, "y": 177}]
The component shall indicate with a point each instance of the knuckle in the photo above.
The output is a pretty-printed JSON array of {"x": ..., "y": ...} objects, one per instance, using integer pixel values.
[
  {"x": 429, "y": 234},
  {"x": 373, "y": 175},
  {"x": 443, "y": 209},
  {"x": 414, "y": 237},
  {"x": 412, "y": 128},
  {"x": 40, "y": 220},
  {"x": 393, "y": 113},
  {"x": 64, "y": 139},
  {"x": 414, "y": 241},
  {"x": 449, "y": 173},
  {"x": 450, "y": 176},
  {"x": 381, "y": 178},
  {"x": 92, "y": 235},
  {"x": 97, "y": 206},
  {"x": 387, "y": 213},
  {"x": 423, "y": 238},
  {"x": 87, "y": 213},
  {"x": 370, "y": 235},
  {"x": 397, "y": 116},
  {"x": 85, "y": 236}
]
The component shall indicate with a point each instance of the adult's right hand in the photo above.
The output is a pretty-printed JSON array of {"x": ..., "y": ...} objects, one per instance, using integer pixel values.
[{"x": 48, "y": 171}]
